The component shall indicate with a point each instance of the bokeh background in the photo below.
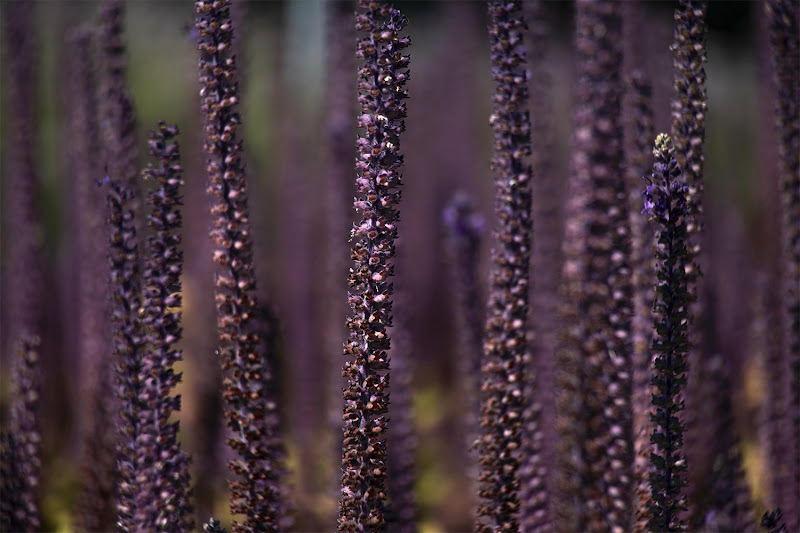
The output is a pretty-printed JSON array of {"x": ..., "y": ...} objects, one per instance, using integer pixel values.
[{"x": 283, "y": 51}]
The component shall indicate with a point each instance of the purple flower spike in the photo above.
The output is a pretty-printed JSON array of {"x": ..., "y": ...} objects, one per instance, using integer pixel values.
[
  {"x": 506, "y": 344},
  {"x": 383, "y": 76},
  {"x": 20, "y": 448},
  {"x": 667, "y": 198},
  {"x": 169, "y": 485},
  {"x": 250, "y": 413}
]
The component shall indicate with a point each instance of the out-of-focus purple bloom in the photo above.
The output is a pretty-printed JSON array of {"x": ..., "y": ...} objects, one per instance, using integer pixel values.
[
  {"x": 21, "y": 447},
  {"x": 783, "y": 25},
  {"x": 466, "y": 225}
]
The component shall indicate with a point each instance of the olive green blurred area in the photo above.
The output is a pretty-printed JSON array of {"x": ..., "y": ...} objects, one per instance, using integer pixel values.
[{"x": 283, "y": 84}]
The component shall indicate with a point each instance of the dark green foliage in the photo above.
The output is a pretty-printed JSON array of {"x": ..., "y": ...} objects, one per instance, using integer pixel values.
[{"x": 666, "y": 203}]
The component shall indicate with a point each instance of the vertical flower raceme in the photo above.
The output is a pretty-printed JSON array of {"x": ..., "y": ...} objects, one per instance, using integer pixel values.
[
  {"x": 688, "y": 134},
  {"x": 135, "y": 441},
  {"x": 169, "y": 484},
  {"x": 381, "y": 89},
  {"x": 538, "y": 439},
  {"x": 666, "y": 201},
  {"x": 401, "y": 514},
  {"x": 594, "y": 416},
  {"x": 249, "y": 413},
  {"x": 98, "y": 472},
  {"x": 21, "y": 446},
  {"x": 117, "y": 118},
  {"x": 728, "y": 505},
  {"x": 117, "y": 125},
  {"x": 689, "y": 104},
  {"x": 465, "y": 231},
  {"x": 95, "y": 506},
  {"x": 9, "y": 484},
  {"x": 22, "y": 287},
  {"x": 153, "y": 487},
  {"x": 338, "y": 182},
  {"x": 784, "y": 37},
  {"x": 466, "y": 227},
  {"x": 638, "y": 155},
  {"x": 506, "y": 342}
]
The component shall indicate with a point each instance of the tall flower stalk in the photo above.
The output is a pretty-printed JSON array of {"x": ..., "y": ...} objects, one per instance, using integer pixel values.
[
  {"x": 249, "y": 411},
  {"x": 784, "y": 38},
  {"x": 689, "y": 105},
  {"x": 154, "y": 480},
  {"x": 506, "y": 342},
  {"x": 338, "y": 182},
  {"x": 169, "y": 483},
  {"x": 23, "y": 285},
  {"x": 667, "y": 203},
  {"x": 538, "y": 440},
  {"x": 381, "y": 89},
  {"x": 20, "y": 447},
  {"x": 133, "y": 498},
  {"x": 638, "y": 155},
  {"x": 466, "y": 227},
  {"x": 688, "y": 109},
  {"x": 594, "y": 373},
  {"x": 117, "y": 117},
  {"x": 402, "y": 513},
  {"x": 95, "y": 505}
]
